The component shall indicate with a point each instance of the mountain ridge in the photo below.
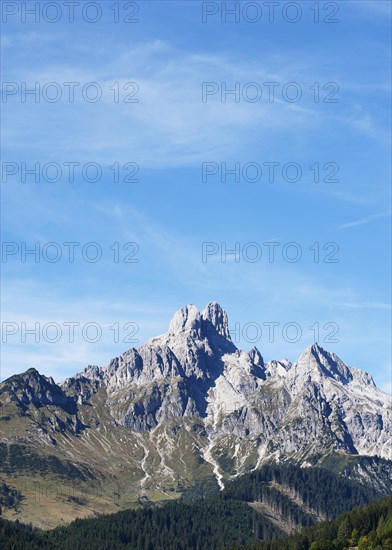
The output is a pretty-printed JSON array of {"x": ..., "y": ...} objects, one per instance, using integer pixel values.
[
  {"x": 189, "y": 407},
  {"x": 196, "y": 370}
]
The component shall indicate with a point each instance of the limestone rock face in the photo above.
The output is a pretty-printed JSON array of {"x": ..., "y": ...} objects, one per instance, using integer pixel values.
[{"x": 243, "y": 407}]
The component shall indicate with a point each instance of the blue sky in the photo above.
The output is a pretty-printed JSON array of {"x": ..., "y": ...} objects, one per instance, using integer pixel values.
[{"x": 170, "y": 212}]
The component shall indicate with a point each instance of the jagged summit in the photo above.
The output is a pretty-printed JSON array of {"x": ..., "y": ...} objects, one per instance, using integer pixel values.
[
  {"x": 186, "y": 319},
  {"x": 214, "y": 316},
  {"x": 30, "y": 377},
  {"x": 188, "y": 408},
  {"x": 247, "y": 409},
  {"x": 315, "y": 358},
  {"x": 256, "y": 357},
  {"x": 31, "y": 387},
  {"x": 212, "y": 321}
]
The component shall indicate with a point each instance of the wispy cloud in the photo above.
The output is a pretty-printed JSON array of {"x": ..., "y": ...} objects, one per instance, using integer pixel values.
[
  {"x": 170, "y": 125},
  {"x": 26, "y": 39},
  {"x": 367, "y": 219}
]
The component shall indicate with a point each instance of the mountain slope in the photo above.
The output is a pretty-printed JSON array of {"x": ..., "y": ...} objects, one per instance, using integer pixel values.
[{"x": 182, "y": 414}]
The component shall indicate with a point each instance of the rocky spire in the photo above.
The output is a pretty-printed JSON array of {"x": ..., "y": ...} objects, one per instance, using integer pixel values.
[
  {"x": 216, "y": 318},
  {"x": 187, "y": 319}
]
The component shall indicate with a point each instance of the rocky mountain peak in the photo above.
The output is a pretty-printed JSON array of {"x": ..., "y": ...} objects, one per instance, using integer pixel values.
[
  {"x": 216, "y": 320},
  {"x": 187, "y": 319},
  {"x": 257, "y": 361},
  {"x": 195, "y": 373},
  {"x": 256, "y": 357},
  {"x": 31, "y": 377},
  {"x": 31, "y": 387},
  {"x": 323, "y": 363}
]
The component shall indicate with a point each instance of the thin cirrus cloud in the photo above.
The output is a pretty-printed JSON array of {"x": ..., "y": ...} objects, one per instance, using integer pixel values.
[
  {"x": 364, "y": 305},
  {"x": 170, "y": 125},
  {"x": 365, "y": 220}
]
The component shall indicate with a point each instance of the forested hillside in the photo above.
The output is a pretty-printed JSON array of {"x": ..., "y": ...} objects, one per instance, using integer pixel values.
[
  {"x": 208, "y": 524},
  {"x": 366, "y": 528},
  {"x": 300, "y": 494},
  {"x": 264, "y": 505}
]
